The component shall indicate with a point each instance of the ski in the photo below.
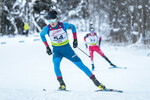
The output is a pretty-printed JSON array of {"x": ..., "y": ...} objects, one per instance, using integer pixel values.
[
  {"x": 57, "y": 90},
  {"x": 117, "y": 67},
  {"x": 63, "y": 90},
  {"x": 109, "y": 90}
]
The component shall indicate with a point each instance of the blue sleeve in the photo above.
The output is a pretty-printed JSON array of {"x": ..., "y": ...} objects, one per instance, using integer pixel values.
[
  {"x": 43, "y": 33},
  {"x": 67, "y": 26}
]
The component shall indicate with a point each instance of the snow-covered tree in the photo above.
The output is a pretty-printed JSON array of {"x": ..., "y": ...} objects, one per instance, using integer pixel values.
[{"x": 118, "y": 20}]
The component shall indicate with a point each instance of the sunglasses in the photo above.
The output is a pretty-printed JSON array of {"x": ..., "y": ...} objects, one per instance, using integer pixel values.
[
  {"x": 53, "y": 20},
  {"x": 92, "y": 31}
]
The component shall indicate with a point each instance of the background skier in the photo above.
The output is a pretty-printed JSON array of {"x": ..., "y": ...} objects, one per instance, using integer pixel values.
[{"x": 94, "y": 45}]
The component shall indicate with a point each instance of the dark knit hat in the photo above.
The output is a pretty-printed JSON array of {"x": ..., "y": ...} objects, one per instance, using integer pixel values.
[{"x": 52, "y": 14}]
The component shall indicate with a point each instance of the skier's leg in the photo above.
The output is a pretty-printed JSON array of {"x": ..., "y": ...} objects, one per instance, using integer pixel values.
[
  {"x": 89, "y": 74},
  {"x": 97, "y": 83},
  {"x": 98, "y": 50},
  {"x": 56, "y": 61},
  {"x": 109, "y": 61},
  {"x": 92, "y": 57},
  {"x": 84, "y": 68},
  {"x": 70, "y": 54}
]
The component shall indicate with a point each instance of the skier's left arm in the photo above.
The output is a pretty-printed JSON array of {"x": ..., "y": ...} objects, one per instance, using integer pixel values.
[{"x": 73, "y": 29}]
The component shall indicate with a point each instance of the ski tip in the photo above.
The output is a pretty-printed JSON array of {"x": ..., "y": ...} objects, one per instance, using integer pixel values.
[
  {"x": 117, "y": 67},
  {"x": 120, "y": 91},
  {"x": 114, "y": 90}
]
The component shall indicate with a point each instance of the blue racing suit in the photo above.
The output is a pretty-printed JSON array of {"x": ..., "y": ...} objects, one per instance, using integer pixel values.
[{"x": 61, "y": 47}]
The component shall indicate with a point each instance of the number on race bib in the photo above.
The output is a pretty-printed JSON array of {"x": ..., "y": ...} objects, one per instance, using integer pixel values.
[
  {"x": 60, "y": 37},
  {"x": 92, "y": 40}
]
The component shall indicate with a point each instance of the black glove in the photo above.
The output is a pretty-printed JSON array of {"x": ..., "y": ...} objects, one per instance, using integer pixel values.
[
  {"x": 75, "y": 43},
  {"x": 48, "y": 50}
]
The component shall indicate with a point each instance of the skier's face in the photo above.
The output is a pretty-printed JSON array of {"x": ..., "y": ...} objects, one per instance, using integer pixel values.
[
  {"x": 92, "y": 34},
  {"x": 53, "y": 22}
]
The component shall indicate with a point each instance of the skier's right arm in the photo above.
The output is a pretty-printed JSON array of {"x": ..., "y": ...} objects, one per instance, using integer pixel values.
[{"x": 43, "y": 38}]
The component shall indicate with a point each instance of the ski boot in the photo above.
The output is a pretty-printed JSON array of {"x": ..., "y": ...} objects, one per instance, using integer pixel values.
[
  {"x": 62, "y": 84},
  {"x": 97, "y": 83},
  {"x": 93, "y": 67},
  {"x": 62, "y": 87},
  {"x": 113, "y": 65}
]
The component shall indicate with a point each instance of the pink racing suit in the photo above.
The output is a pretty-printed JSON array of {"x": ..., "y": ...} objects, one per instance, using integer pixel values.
[{"x": 92, "y": 41}]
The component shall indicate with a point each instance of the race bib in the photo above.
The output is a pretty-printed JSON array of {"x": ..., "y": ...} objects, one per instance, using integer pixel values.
[
  {"x": 58, "y": 37},
  {"x": 92, "y": 40}
]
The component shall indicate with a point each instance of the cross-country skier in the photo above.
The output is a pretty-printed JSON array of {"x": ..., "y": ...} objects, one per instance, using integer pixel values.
[
  {"x": 57, "y": 33},
  {"x": 94, "y": 45}
]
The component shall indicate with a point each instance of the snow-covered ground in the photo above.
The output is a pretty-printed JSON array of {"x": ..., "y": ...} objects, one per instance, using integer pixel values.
[{"x": 26, "y": 69}]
